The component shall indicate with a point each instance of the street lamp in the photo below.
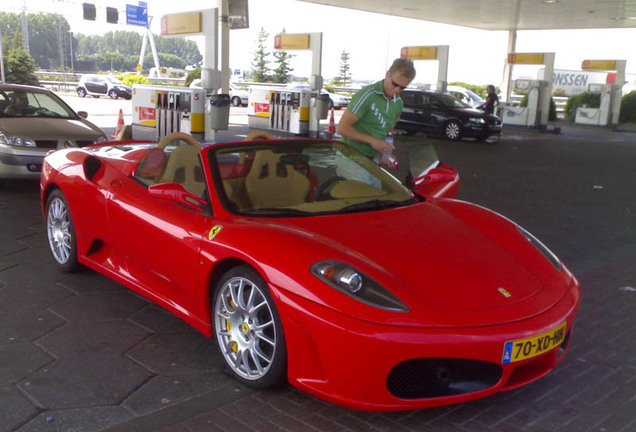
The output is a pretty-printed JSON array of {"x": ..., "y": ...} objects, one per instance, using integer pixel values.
[
  {"x": 70, "y": 37},
  {"x": 1, "y": 59}
]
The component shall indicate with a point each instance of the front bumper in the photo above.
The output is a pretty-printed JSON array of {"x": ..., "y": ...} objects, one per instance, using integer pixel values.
[
  {"x": 368, "y": 366},
  {"x": 21, "y": 163}
]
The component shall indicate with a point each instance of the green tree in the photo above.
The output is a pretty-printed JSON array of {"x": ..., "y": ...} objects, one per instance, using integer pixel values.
[
  {"x": 282, "y": 72},
  {"x": 260, "y": 63},
  {"x": 19, "y": 65},
  {"x": 344, "y": 79}
]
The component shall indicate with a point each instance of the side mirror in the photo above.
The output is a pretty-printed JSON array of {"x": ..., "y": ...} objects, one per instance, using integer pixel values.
[
  {"x": 442, "y": 181},
  {"x": 82, "y": 114},
  {"x": 175, "y": 192}
]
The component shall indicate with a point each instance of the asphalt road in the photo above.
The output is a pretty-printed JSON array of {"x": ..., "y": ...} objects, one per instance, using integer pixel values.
[{"x": 81, "y": 353}]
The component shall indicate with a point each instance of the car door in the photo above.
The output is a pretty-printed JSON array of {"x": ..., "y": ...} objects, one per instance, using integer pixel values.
[
  {"x": 436, "y": 112},
  {"x": 414, "y": 115},
  {"x": 159, "y": 241},
  {"x": 96, "y": 85}
]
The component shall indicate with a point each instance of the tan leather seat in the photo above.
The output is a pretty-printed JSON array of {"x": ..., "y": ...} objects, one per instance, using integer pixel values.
[
  {"x": 270, "y": 183},
  {"x": 184, "y": 167}
]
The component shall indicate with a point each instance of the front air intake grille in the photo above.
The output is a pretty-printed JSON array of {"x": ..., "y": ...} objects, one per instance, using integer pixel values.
[
  {"x": 440, "y": 377},
  {"x": 48, "y": 144}
]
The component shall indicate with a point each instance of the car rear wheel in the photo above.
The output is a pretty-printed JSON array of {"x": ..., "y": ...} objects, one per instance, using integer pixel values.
[
  {"x": 236, "y": 101},
  {"x": 248, "y": 329},
  {"x": 81, "y": 92},
  {"x": 60, "y": 231},
  {"x": 453, "y": 130},
  {"x": 113, "y": 94}
]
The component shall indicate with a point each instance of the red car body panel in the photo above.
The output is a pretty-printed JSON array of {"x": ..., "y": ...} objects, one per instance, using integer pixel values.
[{"x": 436, "y": 256}]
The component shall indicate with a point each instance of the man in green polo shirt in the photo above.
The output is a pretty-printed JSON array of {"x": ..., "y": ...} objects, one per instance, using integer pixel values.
[{"x": 374, "y": 110}]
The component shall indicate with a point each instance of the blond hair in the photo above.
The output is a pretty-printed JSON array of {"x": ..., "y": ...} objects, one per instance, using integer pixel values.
[{"x": 404, "y": 67}]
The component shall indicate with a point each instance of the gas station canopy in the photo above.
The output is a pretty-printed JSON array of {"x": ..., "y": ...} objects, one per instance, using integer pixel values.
[{"x": 505, "y": 14}]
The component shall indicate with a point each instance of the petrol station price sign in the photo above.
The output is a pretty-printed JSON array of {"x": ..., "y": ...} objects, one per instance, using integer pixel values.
[
  {"x": 419, "y": 52},
  {"x": 605, "y": 65},
  {"x": 525, "y": 58},
  {"x": 183, "y": 23},
  {"x": 292, "y": 41}
]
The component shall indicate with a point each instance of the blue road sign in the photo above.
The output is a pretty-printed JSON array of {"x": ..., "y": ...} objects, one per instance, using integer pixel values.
[{"x": 137, "y": 15}]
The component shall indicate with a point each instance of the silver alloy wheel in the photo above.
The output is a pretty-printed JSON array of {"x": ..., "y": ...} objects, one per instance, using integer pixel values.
[
  {"x": 58, "y": 228},
  {"x": 453, "y": 130},
  {"x": 245, "y": 328}
]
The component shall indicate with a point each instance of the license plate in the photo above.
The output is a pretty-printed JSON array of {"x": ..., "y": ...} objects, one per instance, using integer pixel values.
[{"x": 522, "y": 349}]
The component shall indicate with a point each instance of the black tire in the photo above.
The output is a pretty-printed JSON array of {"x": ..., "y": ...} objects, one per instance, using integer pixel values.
[
  {"x": 236, "y": 101},
  {"x": 255, "y": 353},
  {"x": 113, "y": 94},
  {"x": 453, "y": 130},
  {"x": 81, "y": 92},
  {"x": 60, "y": 232}
]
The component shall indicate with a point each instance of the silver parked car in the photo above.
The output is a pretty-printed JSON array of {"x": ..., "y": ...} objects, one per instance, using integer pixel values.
[{"x": 34, "y": 120}]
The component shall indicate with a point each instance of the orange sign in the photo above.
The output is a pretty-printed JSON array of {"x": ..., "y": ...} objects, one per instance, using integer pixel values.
[
  {"x": 419, "y": 52},
  {"x": 184, "y": 23},
  {"x": 525, "y": 58},
  {"x": 598, "y": 65},
  {"x": 291, "y": 41}
]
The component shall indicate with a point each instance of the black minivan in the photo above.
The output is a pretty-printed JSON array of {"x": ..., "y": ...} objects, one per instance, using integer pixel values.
[{"x": 441, "y": 113}]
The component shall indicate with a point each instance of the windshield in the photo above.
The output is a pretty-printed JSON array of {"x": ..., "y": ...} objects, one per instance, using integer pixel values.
[
  {"x": 303, "y": 178},
  {"x": 23, "y": 103},
  {"x": 474, "y": 96},
  {"x": 451, "y": 101}
]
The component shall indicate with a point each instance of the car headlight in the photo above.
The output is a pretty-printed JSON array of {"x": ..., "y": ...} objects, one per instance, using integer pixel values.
[
  {"x": 17, "y": 141},
  {"x": 542, "y": 248},
  {"x": 350, "y": 281},
  {"x": 477, "y": 120}
]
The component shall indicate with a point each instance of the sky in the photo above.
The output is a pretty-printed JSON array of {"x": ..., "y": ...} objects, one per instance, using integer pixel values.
[{"x": 373, "y": 41}]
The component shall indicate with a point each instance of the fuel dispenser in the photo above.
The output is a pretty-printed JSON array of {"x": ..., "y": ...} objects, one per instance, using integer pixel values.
[
  {"x": 530, "y": 115},
  {"x": 159, "y": 111},
  {"x": 596, "y": 116},
  {"x": 279, "y": 109}
]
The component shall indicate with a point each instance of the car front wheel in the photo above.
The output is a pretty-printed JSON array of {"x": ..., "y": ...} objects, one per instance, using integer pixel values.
[
  {"x": 60, "y": 231},
  {"x": 248, "y": 329},
  {"x": 81, "y": 92},
  {"x": 113, "y": 94},
  {"x": 453, "y": 130},
  {"x": 236, "y": 101}
]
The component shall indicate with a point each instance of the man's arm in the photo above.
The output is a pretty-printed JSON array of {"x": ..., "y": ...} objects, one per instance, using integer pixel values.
[{"x": 346, "y": 129}]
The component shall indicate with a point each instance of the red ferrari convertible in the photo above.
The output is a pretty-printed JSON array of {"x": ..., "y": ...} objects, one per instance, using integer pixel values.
[{"x": 308, "y": 263}]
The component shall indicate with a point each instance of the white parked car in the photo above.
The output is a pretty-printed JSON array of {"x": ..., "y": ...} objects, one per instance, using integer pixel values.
[
  {"x": 339, "y": 101},
  {"x": 238, "y": 95},
  {"x": 467, "y": 96}
]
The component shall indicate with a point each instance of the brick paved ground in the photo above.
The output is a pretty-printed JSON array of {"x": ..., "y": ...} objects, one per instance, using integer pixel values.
[{"x": 81, "y": 353}]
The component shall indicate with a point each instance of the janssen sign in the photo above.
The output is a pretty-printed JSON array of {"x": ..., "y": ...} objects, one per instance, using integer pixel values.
[{"x": 575, "y": 82}]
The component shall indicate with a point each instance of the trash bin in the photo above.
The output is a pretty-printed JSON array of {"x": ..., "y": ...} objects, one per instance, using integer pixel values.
[
  {"x": 219, "y": 111},
  {"x": 322, "y": 105}
]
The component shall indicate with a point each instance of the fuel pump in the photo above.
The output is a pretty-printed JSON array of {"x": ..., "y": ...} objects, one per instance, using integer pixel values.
[
  {"x": 161, "y": 110},
  {"x": 597, "y": 116},
  {"x": 529, "y": 115},
  {"x": 279, "y": 109}
]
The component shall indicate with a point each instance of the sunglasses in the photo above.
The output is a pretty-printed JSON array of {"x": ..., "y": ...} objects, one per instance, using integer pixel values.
[{"x": 397, "y": 85}]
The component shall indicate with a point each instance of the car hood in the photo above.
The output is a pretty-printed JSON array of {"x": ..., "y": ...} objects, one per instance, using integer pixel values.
[
  {"x": 50, "y": 128},
  {"x": 452, "y": 263}
]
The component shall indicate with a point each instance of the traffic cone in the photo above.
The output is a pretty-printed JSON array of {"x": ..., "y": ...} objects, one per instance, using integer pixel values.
[
  {"x": 120, "y": 124},
  {"x": 331, "y": 129}
]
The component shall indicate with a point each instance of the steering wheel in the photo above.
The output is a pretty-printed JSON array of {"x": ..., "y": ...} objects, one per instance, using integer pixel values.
[
  {"x": 324, "y": 188},
  {"x": 176, "y": 136}
]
